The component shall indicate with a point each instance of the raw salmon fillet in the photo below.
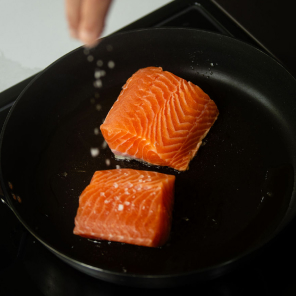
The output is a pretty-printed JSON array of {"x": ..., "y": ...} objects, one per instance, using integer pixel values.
[
  {"x": 127, "y": 205},
  {"x": 159, "y": 118}
]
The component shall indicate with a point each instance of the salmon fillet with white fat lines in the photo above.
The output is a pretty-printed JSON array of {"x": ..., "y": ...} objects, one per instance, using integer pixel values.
[
  {"x": 127, "y": 205},
  {"x": 159, "y": 118}
]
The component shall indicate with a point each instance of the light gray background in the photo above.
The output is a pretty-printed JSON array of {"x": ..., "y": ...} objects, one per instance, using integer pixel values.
[{"x": 34, "y": 33}]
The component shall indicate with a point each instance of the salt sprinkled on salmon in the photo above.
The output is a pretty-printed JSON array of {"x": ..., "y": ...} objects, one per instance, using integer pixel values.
[{"x": 141, "y": 217}]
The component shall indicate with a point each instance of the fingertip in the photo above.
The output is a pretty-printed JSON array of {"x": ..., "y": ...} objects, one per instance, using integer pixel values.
[
  {"x": 89, "y": 39},
  {"x": 73, "y": 33}
]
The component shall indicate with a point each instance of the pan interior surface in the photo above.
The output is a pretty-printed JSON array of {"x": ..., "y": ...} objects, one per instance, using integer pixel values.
[{"x": 234, "y": 196}]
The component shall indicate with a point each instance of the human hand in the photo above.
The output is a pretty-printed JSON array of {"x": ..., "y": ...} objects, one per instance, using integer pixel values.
[{"x": 86, "y": 19}]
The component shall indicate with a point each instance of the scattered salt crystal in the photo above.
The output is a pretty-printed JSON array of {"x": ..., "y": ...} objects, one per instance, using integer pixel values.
[
  {"x": 102, "y": 193},
  {"x": 107, "y": 201},
  {"x": 96, "y": 131},
  {"x": 99, "y": 63},
  {"x": 104, "y": 145},
  {"x": 127, "y": 203},
  {"x": 120, "y": 207},
  {"x": 140, "y": 180},
  {"x": 107, "y": 161},
  {"x": 118, "y": 166},
  {"x": 94, "y": 152},
  {"x": 98, "y": 83},
  {"x": 111, "y": 64},
  {"x": 97, "y": 74},
  {"x": 212, "y": 64},
  {"x": 98, "y": 107},
  {"x": 90, "y": 58},
  {"x": 143, "y": 207},
  {"x": 86, "y": 51},
  {"x": 116, "y": 197},
  {"x": 115, "y": 185}
]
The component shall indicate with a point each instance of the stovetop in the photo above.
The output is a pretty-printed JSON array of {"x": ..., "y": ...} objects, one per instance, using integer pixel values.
[{"x": 27, "y": 266}]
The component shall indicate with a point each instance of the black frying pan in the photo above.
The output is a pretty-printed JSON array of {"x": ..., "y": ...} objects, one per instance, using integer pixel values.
[{"x": 236, "y": 196}]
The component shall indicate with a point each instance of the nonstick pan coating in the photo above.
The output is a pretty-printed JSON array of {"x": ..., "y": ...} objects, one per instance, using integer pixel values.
[{"x": 236, "y": 195}]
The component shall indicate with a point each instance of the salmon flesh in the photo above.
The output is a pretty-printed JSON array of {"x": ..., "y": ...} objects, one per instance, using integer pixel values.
[{"x": 159, "y": 118}]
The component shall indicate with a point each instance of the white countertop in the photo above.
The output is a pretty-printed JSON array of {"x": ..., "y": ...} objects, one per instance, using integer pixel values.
[{"x": 34, "y": 33}]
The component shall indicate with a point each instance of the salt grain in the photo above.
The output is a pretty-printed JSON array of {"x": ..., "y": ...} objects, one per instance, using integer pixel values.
[
  {"x": 120, "y": 207},
  {"x": 111, "y": 64},
  {"x": 115, "y": 185},
  {"x": 109, "y": 47},
  {"x": 117, "y": 166},
  {"x": 90, "y": 58},
  {"x": 96, "y": 131},
  {"x": 94, "y": 152},
  {"x": 107, "y": 161},
  {"x": 98, "y": 107},
  {"x": 100, "y": 63},
  {"x": 98, "y": 83},
  {"x": 104, "y": 145},
  {"x": 99, "y": 73},
  {"x": 102, "y": 193}
]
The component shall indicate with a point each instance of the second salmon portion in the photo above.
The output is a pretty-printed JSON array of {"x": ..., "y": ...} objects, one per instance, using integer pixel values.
[
  {"x": 126, "y": 205},
  {"x": 159, "y": 118}
]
